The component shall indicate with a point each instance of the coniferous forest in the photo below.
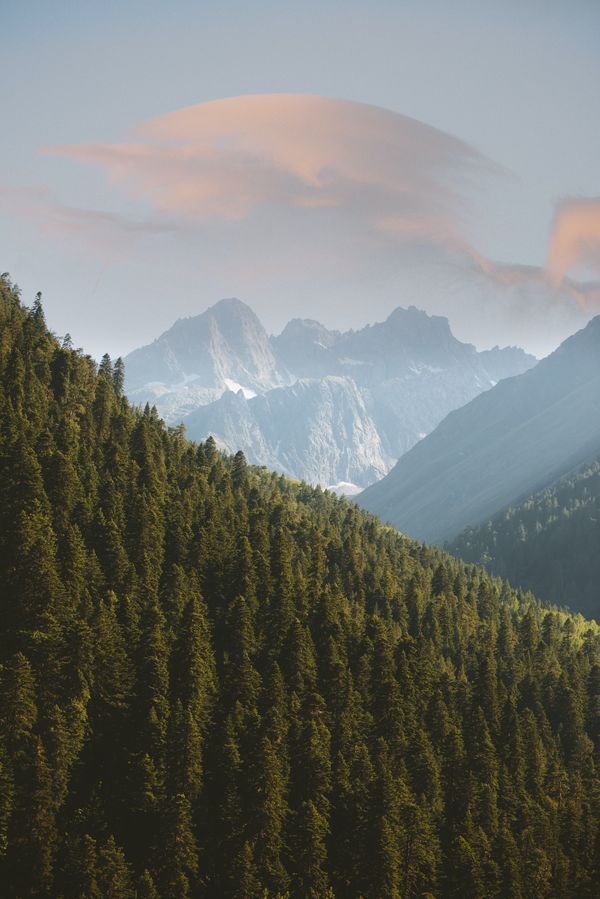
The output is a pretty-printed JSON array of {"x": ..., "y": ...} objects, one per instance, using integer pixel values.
[
  {"x": 549, "y": 544},
  {"x": 219, "y": 683}
]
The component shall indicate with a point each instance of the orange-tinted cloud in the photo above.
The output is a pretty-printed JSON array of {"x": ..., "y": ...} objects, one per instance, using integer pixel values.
[
  {"x": 296, "y": 191},
  {"x": 105, "y": 234},
  {"x": 228, "y": 159},
  {"x": 585, "y": 294},
  {"x": 575, "y": 238}
]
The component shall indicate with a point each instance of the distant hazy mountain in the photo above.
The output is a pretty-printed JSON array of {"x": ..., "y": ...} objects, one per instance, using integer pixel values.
[
  {"x": 324, "y": 406},
  {"x": 410, "y": 342},
  {"x": 319, "y": 430},
  {"x": 506, "y": 444},
  {"x": 549, "y": 544},
  {"x": 199, "y": 358}
]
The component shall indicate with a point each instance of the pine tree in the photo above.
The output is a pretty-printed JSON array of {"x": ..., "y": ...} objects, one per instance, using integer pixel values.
[
  {"x": 146, "y": 888},
  {"x": 246, "y": 884},
  {"x": 82, "y": 872},
  {"x": 270, "y": 817},
  {"x": 114, "y": 876},
  {"x": 118, "y": 377},
  {"x": 310, "y": 854},
  {"x": 179, "y": 866}
]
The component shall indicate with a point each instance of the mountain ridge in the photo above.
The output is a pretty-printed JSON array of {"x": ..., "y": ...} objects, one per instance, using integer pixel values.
[
  {"x": 402, "y": 376},
  {"x": 502, "y": 446},
  {"x": 226, "y": 341}
]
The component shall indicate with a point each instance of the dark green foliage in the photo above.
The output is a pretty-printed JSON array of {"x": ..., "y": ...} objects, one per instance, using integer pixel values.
[
  {"x": 550, "y": 544},
  {"x": 215, "y": 682}
]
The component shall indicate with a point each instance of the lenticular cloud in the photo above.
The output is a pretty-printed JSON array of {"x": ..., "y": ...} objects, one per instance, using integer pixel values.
[{"x": 230, "y": 159}]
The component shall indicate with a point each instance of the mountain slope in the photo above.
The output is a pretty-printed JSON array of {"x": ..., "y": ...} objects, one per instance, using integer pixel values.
[
  {"x": 382, "y": 388},
  {"x": 507, "y": 443},
  {"x": 549, "y": 544},
  {"x": 218, "y": 683},
  {"x": 518, "y": 437}
]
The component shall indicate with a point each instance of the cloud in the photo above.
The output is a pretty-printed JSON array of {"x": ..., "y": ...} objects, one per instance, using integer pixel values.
[
  {"x": 107, "y": 235},
  {"x": 575, "y": 239},
  {"x": 528, "y": 277},
  {"x": 491, "y": 303},
  {"x": 296, "y": 154},
  {"x": 321, "y": 207}
]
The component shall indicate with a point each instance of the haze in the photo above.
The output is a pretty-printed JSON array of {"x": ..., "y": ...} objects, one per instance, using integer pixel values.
[{"x": 330, "y": 163}]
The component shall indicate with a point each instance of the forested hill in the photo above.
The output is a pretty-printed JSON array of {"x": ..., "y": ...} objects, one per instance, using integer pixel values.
[
  {"x": 549, "y": 544},
  {"x": 218, "y": 683}
]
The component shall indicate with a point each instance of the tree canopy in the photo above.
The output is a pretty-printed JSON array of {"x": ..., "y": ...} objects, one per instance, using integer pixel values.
[
  {"x": 216, "y": 682},
  {"x": 549, "y": 544}
]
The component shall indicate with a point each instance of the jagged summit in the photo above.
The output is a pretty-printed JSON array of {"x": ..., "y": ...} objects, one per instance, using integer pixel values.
[
  {"x": 395, "y": 381},
  {"x": 309, "y": 329},
  {"x": 228, "y": 309},
  {"x": 224, "y": 345}
]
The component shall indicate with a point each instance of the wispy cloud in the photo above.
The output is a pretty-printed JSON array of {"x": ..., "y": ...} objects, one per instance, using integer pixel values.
[
  {"x": 106, "y": 235},
  {"x": 534, "y": 278},
  {"x": 575, "y": 239}
]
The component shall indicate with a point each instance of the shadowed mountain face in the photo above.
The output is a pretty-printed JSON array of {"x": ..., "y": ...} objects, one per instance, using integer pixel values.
[
  {"x": 506, "y": 444},
  {"x": 324, "y": 406}
]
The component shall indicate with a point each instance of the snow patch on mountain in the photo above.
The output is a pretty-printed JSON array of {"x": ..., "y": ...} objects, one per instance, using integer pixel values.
[
  {"x": 235, "y": 387},
  {"x": 344, "y": 488}
]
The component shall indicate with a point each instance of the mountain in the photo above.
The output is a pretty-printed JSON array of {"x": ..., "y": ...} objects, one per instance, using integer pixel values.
[
  {"x": 505, "y": 445},
  {"x": 219, "y": 683},
  {"x": 199, "y": 358},
  {"x": 549, "y": 544},
  {"x": 345, "y": 406},
  {"x": 408, "y": 343},
  {"x": 305, "y": 347},
  {"x": 319, "y": 430}
]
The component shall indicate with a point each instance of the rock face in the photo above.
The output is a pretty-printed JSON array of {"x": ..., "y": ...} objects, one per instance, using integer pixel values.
[
  {"x": 328, "y": 407},
  {"x": 505, "y": 445},
  {"x": 199, "y": 358},
  {"x": 319, "y": 430}
]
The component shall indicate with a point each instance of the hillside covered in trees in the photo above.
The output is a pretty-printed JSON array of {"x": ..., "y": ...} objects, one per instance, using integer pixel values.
[
  {"x": 219, "y": 683},
  {"x": 549, "y": 544}
]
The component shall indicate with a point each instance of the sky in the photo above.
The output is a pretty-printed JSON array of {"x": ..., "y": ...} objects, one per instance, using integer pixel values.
[{"x": 323, "y": 160}]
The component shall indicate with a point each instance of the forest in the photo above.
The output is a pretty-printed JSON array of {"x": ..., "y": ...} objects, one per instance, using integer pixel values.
[
  {"x": 216, "y": 682},
  {"x": 549, "y": 544}
]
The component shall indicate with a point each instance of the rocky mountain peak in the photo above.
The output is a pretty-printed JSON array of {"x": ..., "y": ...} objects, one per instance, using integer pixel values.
[
  {"x": 307, "y": 329},
  {"x": 365, "y": 396},
  {"x": 416, "y": 328},
  {"x": 227, "y": 344}
]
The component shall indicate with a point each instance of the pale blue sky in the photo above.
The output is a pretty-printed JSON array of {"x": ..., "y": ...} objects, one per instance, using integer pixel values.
[{"x": 516, "y": 80}]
